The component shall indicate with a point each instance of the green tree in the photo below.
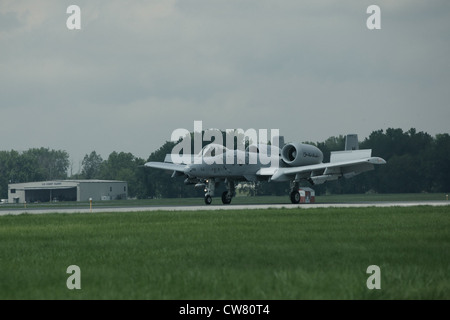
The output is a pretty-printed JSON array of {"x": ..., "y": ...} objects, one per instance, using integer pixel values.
[
  {"x": 50, "y": 164},
  {"x": 91, "y": 166},
  {"x": 160, "y": 183},
  {"x": 32, "y": 165},
  {"x": 331, "y": 144},
  {"x": 439, "y": 164},
  {"x": 124, "y": 167}
]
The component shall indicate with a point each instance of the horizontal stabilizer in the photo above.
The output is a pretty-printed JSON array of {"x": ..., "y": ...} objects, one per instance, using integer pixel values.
[{"x": 339, "y": 156}]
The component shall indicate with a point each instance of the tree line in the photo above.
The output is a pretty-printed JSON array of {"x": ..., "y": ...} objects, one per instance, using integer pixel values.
[{"x": 416, "y": 162}]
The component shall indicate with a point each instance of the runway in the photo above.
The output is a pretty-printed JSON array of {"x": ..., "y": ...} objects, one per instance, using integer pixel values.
[{"x": 8, "y": 211}]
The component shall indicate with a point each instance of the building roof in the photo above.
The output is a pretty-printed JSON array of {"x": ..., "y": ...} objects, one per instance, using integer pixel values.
[{"x": 59, "y": 183}]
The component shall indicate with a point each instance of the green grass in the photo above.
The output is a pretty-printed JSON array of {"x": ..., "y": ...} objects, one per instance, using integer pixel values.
[{"x": 237, "y": 254}]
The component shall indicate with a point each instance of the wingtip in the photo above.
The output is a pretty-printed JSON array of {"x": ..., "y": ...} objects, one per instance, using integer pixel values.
[{"x": 377, "y": 160}]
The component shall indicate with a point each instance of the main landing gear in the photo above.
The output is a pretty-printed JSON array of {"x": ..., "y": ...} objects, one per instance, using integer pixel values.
[
  {"x": 301, "y": 194},
  {"x": 295, "y": 195}
]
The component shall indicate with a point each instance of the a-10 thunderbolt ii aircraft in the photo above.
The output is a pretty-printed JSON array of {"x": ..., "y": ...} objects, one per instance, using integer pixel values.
[{"x": 292, "y": 162}]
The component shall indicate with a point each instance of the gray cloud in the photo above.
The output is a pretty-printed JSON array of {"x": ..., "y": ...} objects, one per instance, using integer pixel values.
[{"x": 137, "y": 71}]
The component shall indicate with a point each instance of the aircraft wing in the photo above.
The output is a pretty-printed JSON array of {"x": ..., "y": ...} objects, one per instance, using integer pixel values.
[
  {"x": 342, "y": 164},
  {"x": 166, "y": 166}
]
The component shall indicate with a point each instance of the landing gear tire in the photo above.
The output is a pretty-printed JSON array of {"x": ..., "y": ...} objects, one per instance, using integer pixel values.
[
  {"x": 208, "y": 199},
  {"x": 295, "y": 197},
  {"x": 225, "y": 198}
]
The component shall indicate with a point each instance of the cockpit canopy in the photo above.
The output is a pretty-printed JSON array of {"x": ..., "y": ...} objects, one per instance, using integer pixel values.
[{"x": 212, "y": 150}]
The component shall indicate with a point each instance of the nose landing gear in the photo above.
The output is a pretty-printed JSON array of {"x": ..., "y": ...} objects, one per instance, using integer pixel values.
[{"x": 226, "y": 195}]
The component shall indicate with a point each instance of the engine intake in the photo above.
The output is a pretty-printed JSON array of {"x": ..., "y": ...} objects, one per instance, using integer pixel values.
[{"x": 299, "y": 154}]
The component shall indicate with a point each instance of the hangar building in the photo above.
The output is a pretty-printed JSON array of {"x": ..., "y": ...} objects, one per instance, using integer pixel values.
[{"x": 67, "y": 190}]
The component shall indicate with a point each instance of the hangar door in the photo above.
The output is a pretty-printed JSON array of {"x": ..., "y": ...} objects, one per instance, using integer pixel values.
[{"x": 51, "y": 194}]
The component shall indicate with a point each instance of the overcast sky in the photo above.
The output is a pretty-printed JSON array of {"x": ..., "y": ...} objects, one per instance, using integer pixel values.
[{"x": 138, "y": 70}]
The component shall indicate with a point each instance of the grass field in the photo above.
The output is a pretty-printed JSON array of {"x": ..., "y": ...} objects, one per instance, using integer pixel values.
[{"x": 255, "y": 254}]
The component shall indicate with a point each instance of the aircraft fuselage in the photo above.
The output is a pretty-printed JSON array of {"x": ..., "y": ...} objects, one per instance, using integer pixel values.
[{"x": 235, "y": 166}]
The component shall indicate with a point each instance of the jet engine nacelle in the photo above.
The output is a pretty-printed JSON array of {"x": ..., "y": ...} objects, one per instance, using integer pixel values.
[{"x": 299, "y": 154}]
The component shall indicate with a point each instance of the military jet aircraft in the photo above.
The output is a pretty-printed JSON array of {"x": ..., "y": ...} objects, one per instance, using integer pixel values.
[{"x": 292, "y": 162}]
